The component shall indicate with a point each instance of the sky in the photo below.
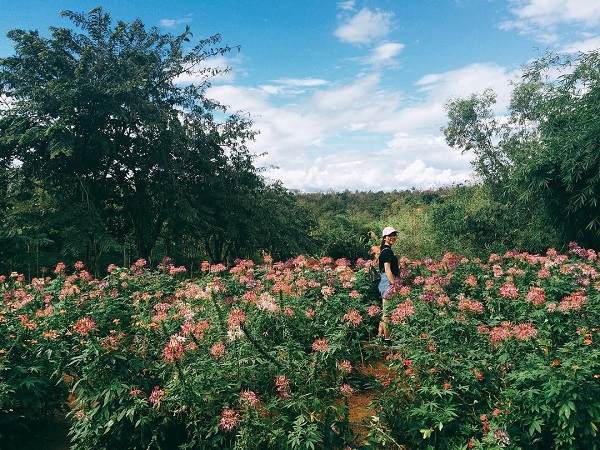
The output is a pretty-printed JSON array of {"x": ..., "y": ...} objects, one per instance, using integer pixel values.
[{"x": 350, "y": 94}]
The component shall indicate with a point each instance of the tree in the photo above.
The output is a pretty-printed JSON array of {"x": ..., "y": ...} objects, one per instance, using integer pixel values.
[
  {"x": 99, "y": 120},
  {"x": 543, "y": 158}
]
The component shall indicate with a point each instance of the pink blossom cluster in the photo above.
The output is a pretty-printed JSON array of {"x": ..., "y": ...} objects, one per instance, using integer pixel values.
[
  {"x": 282, "y": 384},
  {"x": 509, "y": 290},
  {"x": 345, "y": 366},
  {"x": 236, "y": 317},
  {"x": 84, "y": 326},
  {"x": 156, "y": 396},
  {"x": 536, "y": 295},
  {"x": 471, "y": 281},
  {"x": 174, "y": 349},
  {"x": 320, "y": 345},
  {"x": 402, "y": 311},
  {"x": 506, "y": 330},
  {"x": 572, "y": 302},
  {"x": 248, "y": 397},
  {"x": 353, "y": 317},
  {"x": 229, "y": 419},
  {"x": 217, "y": 350},
  {"x": 467, "y": 304},
  {"x": 373, "y": 310},
  {"x": 346, "y": 390}
]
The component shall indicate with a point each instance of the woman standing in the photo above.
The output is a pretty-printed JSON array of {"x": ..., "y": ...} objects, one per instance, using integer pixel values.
[{"x": 389, "y": 269}]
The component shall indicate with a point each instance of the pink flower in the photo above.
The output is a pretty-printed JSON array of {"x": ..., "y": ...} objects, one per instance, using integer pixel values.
[
  {"x": 267, "y": 302},
  {"x": 497, "y": 270},
  {"x": 134, "y": 392},
  {"x": 217, "y": 350},
  {"x": 248, "y": 397},
  {"x": 229, "y": 419},
  {"x": 236, "y": 317},
  {"x": 140, "y": 263},
  {"x": 504, "y": 331},
  {"x": 173, "y": 351},
  {"x": 157, "y": 396},
  {"x": 404, "y": 291},
  {"x": 327, "y": 291},
  {"x": 572, "y": 302},
  {"x": 524, "y": 331},
  {"x": 84, "y": 326},
  {"x": 346, "y": 390},
  {"x": 403, "y": 310},
  {"x": 355, "y": 294},
  {"x": 175, "y": 270},
  {"x": 309, "y": 313},
  {"x": 60, "y": 268},
  {"x": 345, "y": 366},
  {"x": 471, "y": 281},
  {"x": 282, "y": 384},
  {"x": 466, "y": 304},
  {"x": 373, "y": 310},
  {"x": 543, "y": 273},
  {"x": 509, "y": 290},
  {"x": 536, "y": 295},
  {"x": 320, "y": 345},
  {"x": 483, "y": 329},
  {"x": 353, "y": 317}
]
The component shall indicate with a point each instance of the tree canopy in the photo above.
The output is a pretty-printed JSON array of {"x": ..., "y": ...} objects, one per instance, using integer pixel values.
[
  {"x": 109, "y": 144},
  {"x": 543, "y": 158}
]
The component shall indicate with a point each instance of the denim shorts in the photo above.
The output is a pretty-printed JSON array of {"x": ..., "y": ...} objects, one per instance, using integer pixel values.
[{"x": 384, "y": 285}]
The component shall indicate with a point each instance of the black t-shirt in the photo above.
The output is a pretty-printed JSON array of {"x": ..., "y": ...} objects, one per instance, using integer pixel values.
[{"x": 387, "y": 255}]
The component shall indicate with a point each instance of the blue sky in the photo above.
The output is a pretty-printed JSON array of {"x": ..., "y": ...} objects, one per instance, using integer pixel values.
[{"x": 350, "y": 94}]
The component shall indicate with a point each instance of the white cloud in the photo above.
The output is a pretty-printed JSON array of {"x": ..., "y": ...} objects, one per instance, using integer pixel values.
[
  {"x": 347, "y": 5},
  {"x": 365, "y": 27},
  {"x": 474, "y": 78},
  {"x": 542, "y": 18},
  {"x": 308, "y": 82},
  {"x": 292, "y": 86},
  {"x": 385, "y": 54},
  {"x": 359, "y": 135},
  {"x": 173, "y": 23},
  {"x": 364, "y": 171},
  {"x": 585, "y": 45}
]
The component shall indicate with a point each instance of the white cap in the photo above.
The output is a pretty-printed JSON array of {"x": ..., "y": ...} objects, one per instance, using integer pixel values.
[{"x": 387, "y": 231}]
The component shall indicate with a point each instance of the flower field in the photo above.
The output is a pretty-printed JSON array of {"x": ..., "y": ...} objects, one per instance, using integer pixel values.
[{"x": 501, "y": 353}]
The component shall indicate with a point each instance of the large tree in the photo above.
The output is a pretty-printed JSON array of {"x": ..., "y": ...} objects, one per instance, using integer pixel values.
[
  {"x": 99, "y": 120},
  {"x": 542, "y": 159}
]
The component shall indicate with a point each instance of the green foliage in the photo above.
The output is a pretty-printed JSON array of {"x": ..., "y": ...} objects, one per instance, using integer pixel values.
[
  {"x": 542, "y": 160},
  {"x": 471, "y": 221}
]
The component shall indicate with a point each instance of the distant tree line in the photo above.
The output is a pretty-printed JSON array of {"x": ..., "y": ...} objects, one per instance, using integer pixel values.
[{"x": 105, "y": 157}]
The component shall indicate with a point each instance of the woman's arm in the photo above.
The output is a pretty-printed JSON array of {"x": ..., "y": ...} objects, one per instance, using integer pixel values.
[{"x": 387, "y": 267}]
